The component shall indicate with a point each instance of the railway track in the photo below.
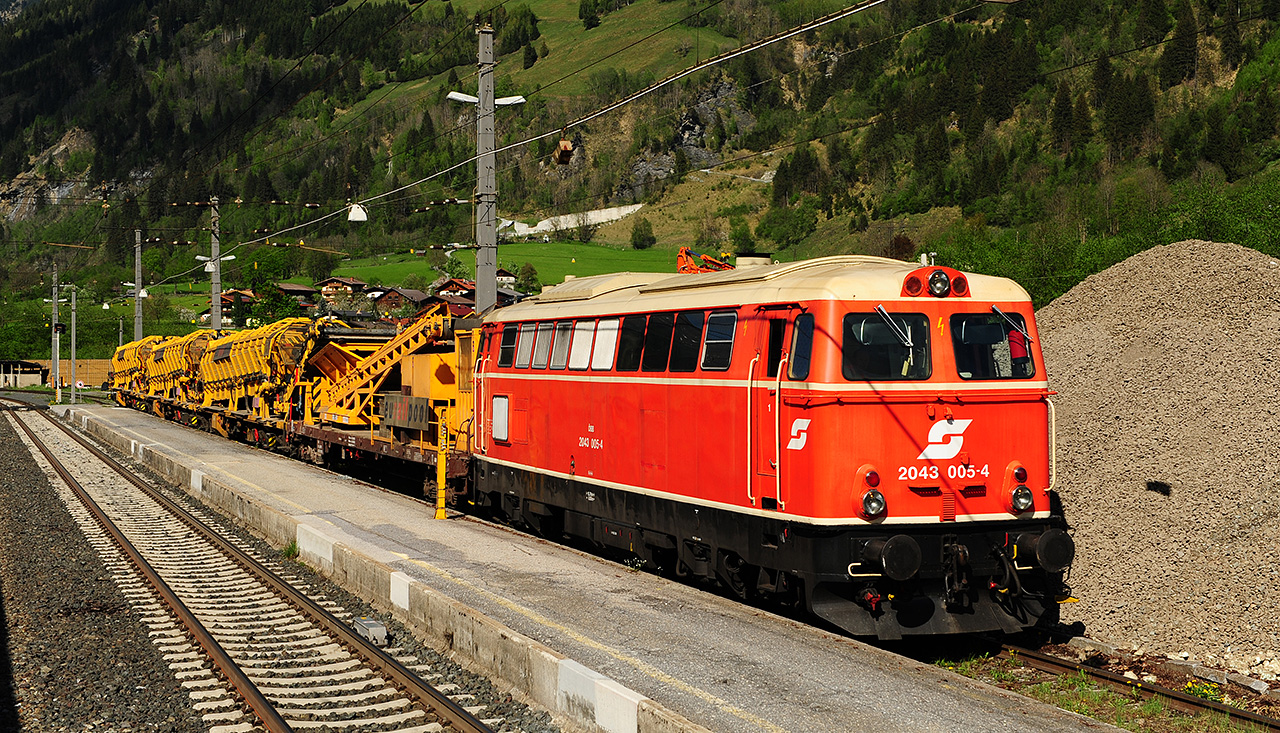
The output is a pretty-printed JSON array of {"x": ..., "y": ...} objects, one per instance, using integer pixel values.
[
  {"x": 254, "y": 652},
  {"x": 1175, "y": 699}
]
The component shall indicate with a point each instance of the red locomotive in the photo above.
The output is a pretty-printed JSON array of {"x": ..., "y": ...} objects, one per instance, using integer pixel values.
[{"x": 866, "y": 439}]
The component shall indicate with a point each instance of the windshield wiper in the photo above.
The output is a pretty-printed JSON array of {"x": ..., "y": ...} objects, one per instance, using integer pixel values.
[
  {"x": 1022, "y": 329},
  {"x": 903, "y": 336}
]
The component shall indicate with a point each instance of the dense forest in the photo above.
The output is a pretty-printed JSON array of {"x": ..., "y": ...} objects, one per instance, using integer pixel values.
[{"x": 1039, "y": 140}]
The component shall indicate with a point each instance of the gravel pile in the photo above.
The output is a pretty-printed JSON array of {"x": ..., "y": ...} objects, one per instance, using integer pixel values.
[
  {"x": 1168, "y": 433},
  {"x": 75, "y": 656}
]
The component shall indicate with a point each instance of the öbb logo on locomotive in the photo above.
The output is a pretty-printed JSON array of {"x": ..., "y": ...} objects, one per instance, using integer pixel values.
[
  {"x": 799, "y": 434},
  {"x": 940, "y": 450},
  {"x": 922, "y": 505}
]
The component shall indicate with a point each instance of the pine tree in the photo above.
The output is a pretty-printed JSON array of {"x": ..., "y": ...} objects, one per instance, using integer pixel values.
[
  {"x": 1153, "y": 21},
  {"x": 642, "y": 234},
  {"x": 1178, "y": 62},
  {"x": 1102, "y": 75},
  {"x": 1061, "y": 117},
  {"x": 1229, "y": 35},
  {"x": 1082, "y": 122}
]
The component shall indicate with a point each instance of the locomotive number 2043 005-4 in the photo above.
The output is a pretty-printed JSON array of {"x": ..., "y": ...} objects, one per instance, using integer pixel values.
[{"x": 953, "y": 471}]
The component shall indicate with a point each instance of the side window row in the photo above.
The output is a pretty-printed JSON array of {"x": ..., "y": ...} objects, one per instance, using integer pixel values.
[{"x": 657, "y": 342}]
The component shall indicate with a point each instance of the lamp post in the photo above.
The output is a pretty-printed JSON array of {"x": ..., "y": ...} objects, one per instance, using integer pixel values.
[
  {"x": 55, "y": 341},
  {"x": 137, "y": 287},
  {"x": 486, "y": 185},
  {"x": 73, "y": 344},
  {"x": 213, "y": 266},
  {"x": 106, "y": 306},
  {"x": 57, "y": 346}
]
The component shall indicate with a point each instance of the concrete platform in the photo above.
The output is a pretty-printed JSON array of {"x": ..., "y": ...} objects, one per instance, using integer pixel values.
[{"x": 600, "y": 645}]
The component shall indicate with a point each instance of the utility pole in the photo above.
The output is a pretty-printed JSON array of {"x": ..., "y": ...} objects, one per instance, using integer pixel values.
[
  {"x": 487, "y": 194},
  {"x": 57, "y": 345},
  {"x": 120, "y": 335},
  {"x": 486, "y": 185},
  {"x": 73, "y": 344},
  {"x": 137, "y": 284},
  {"x": 215, "y": 305}
]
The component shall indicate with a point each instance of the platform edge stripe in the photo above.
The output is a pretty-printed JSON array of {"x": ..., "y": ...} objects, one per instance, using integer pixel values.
[
  {"x": 314, "y": 545},
  {"x": 617, "y": 707},
  {"x": 400, "y": 589},
  {"x": 576, "y": 689}
]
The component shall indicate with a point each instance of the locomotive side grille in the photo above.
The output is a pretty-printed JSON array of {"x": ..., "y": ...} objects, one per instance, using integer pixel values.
[{"x": 948, "y": 506}]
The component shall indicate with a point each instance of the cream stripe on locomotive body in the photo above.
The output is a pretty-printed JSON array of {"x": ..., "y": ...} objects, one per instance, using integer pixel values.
[{"x": 861, "y": 436}]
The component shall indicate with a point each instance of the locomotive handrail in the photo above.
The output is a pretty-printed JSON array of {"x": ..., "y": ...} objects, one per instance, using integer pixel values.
[
  {"x": 751, "y": 417},
  {"x": 1053, "y": 443},
  {"x": 777, "y": 430},
  {"x": 480, "y": 404}
]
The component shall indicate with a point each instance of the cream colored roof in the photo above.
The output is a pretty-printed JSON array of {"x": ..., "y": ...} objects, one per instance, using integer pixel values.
[{"x": 845, "y": 277}]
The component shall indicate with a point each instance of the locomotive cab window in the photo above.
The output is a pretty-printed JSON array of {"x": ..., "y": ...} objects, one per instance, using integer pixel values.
[
  {"x": 688, "y": 338},
  {"x": 777, "y": 336},
  {"x": 542, "y": 346},
  {"x": 801, "y": 347},
  {"x": 892, "y": 346},
  {"x": 717, "y": 350},
  {"x": 580, "y": 351},
  {"x": 560, "y": 351},
  {"x": 630, "y": 343},
  {"x": 657, "y": 342},
  {"x": 606, "y": 345},
  {"x": 525, "y": 350},
  {"x": 989, "y": 347},
  {"x": 507, "y": 349},
  {"x": 500, "y": 424}
]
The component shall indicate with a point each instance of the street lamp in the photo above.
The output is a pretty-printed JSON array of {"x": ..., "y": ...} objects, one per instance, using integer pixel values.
[
  {"x": 486, "y": 184},
  {"x": 119, "y": 326},
  {"x": 213, "y": 265},
  {"x": 55, "y": 346}
]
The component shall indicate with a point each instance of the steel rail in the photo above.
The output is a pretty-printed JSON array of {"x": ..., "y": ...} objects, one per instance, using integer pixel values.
[
  {"x": 1177, "y": 700},
  {"x": 452, "y": 712},
  {"x": 261, "y": 706}
]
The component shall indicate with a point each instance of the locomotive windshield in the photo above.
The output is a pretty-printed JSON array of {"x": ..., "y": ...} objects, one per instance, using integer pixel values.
[
  {"x": 878, "y": 350},
  {"x": 991, "y": 346}
]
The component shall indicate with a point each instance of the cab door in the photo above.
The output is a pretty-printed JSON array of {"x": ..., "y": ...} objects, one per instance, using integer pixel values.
[{"x": 769, "y": 358}]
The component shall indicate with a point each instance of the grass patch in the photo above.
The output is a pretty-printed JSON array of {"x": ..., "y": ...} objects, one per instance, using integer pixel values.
[
  {"x": 1079, "y": 694},
  {"x": 552, "y": 260},
  {"x": 290, "y": 551},
  {"x": 571, "y": 47}
]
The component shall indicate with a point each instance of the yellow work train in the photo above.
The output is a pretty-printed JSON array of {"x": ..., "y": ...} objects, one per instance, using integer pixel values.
[{"x": 321, "y": 390}]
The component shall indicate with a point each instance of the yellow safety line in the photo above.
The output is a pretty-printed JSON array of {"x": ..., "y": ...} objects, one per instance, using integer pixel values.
[
  {"x": 214, "y": 474},
  {"x": 644, "y": 667}
]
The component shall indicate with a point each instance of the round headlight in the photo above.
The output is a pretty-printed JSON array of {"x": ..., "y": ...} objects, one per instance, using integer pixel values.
[
  {"x": 1020, "y": 474},
  {"x": 873, "y": 503},
  {"x": 873, "y": 479},
  {"x": 1022, "y": 499},
  {"x": 939, "y": 283},
  {"x": 914, "y": 286}
]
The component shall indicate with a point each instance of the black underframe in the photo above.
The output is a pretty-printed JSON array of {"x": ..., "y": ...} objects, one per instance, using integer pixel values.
[{"x": 764, "y": 555}]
